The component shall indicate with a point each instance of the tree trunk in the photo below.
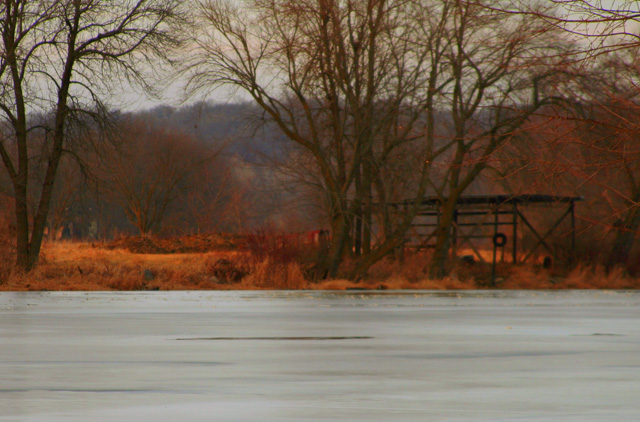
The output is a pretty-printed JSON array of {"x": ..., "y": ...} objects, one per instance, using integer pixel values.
[
  {"x": 624, "y": 240},
  {"x": 22, "y": 227},
  {"x": 357, "y": 218},
  {"x": 40, "y": 219},
  {"x": 443, "y": 239},
  {"x": 367, "y": 204},
  {"x": 340, "y": 238},
  {"x": 374, "y": 256}
]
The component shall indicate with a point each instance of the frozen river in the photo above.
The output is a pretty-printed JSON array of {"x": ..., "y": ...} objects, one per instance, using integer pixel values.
[{"x": 320, "y": 356}]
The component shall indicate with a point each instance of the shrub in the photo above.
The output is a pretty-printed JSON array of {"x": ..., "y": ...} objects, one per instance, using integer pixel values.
[
  {"x": 229, "y": 270},
  {"x": 269, "y": 274}
]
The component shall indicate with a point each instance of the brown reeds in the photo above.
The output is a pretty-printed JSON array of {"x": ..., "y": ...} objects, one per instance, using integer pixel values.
[{"x": 272, "y": 264}]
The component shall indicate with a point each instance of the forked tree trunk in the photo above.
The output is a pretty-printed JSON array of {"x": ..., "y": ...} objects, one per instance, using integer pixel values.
[{"x": 29, "y": 239}]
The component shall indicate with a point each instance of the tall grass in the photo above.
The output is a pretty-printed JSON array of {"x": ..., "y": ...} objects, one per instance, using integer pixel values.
[
  {"x": 598, "y": 277},
  {"x": 280, "y": 261},
  {"x": 271, "y": 264}
]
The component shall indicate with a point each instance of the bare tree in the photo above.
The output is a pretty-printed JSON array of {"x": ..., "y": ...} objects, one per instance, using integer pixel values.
[
  {"x": 55, "y": 57},
  {"x": 503, "y": 68},
  {"x": 607, "y": 32},
  {"x": 335, "y": 77},
  {"x": 606, "y": 135},
  {"x": 204, "y": 207},
  {"x": 153, "y": 168},
  {"x": 352, "y": 83},
  {"x": 605, "y": 25}
]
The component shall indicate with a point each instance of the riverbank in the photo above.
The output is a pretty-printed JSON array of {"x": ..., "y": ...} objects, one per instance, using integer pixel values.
[{"x": 81, "y": 266}]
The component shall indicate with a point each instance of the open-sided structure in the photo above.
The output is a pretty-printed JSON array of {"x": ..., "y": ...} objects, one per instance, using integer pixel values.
[{"x": 488, "y": 216}]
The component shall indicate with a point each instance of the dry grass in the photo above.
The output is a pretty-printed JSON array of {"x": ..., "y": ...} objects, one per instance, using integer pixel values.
[
  {"x": 268, "y": 274},
  {"x": 82, "y": 266},
  {"x": 526, "y": 277},
  {"x": 596, "y": 277},
  {"x": 411, "y": 273}
]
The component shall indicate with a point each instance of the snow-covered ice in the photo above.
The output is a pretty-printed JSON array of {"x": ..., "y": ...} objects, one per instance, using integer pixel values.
[{"x": 320, "y": 356}]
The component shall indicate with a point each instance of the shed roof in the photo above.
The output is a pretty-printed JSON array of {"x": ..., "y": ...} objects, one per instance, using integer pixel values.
[{"x": 496, "y": 199}]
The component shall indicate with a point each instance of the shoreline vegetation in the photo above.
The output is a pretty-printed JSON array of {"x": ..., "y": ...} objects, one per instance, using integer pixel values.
[
  {"x": 216, "y": 262},
  {"x": 343, "y": 129}
]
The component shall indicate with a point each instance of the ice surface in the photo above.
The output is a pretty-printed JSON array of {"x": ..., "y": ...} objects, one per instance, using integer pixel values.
[{"x": 320, "y": 356}]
